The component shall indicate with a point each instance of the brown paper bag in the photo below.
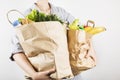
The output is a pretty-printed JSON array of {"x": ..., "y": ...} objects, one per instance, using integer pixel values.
[
  {"x": 79, "y": 46},
  {"x": 45, "y": 45}
]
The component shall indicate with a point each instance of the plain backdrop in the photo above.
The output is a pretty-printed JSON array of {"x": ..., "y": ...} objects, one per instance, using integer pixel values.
[{"x": 103, "y": 12}]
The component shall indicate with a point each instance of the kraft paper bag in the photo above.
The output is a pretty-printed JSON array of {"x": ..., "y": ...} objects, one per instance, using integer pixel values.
[
  {"x": 79, "y": 45},
  {"x": 45, "y": 45}
]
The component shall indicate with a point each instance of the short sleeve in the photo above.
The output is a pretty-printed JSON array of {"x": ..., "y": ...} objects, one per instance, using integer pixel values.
[
  {"x": 15, "y": 46},
  {"x": 62, "y": 14},
  {"x": 67, "y": 16}
]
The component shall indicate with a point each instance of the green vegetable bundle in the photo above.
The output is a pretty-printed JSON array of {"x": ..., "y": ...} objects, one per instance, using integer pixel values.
[{"x": 37, "y": 16}]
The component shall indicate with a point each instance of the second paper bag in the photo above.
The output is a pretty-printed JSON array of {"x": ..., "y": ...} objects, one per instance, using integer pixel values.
[{"x": 79, "y": 44}]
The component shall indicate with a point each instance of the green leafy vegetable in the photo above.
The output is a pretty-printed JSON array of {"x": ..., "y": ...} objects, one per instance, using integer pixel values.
[{"x": 36, "y": 16}]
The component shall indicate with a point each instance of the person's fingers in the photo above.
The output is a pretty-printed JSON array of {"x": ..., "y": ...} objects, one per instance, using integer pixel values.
[{"x": 50, "y": 71}]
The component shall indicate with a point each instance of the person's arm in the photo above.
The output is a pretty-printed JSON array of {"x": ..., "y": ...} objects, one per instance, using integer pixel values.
[
  {"x": 24, "y": 63},
  {"x": 20, "y": 58}
]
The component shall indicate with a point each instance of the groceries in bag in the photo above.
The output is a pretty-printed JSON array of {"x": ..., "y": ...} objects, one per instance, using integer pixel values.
[
  {"x": 44, "y": 42},
  {"x": 36, "y": 16},
  {"x": 89, "y": 29}
]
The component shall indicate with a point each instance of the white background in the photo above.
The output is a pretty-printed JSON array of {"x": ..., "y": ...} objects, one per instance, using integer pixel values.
[{"x": 103, "y": 12}]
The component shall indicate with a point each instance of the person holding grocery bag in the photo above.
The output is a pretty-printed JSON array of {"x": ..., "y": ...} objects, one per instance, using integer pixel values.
[{"x": 18, "y": 54}]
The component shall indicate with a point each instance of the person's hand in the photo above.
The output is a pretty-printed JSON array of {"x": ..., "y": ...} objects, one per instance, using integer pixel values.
[{"x": 45, "y": 75}]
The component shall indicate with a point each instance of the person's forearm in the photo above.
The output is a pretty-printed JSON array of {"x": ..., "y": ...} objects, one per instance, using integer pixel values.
[{"x": 23, "y": 62}]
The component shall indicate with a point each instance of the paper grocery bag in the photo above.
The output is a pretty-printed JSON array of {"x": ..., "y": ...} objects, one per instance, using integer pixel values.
[
  {"x": 45, "y": 45},
  {"x": 79, "y": 46}
]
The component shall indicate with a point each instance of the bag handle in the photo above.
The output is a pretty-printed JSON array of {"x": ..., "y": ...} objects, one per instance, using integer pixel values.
[
  {"x": 91, "y": 22},
  {"x": 13, "y": 10}
]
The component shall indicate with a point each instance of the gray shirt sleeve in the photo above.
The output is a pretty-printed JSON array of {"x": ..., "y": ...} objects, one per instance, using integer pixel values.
[
  {"x": 15, "y": 46},
  {"x": 62, "y": 14}
]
